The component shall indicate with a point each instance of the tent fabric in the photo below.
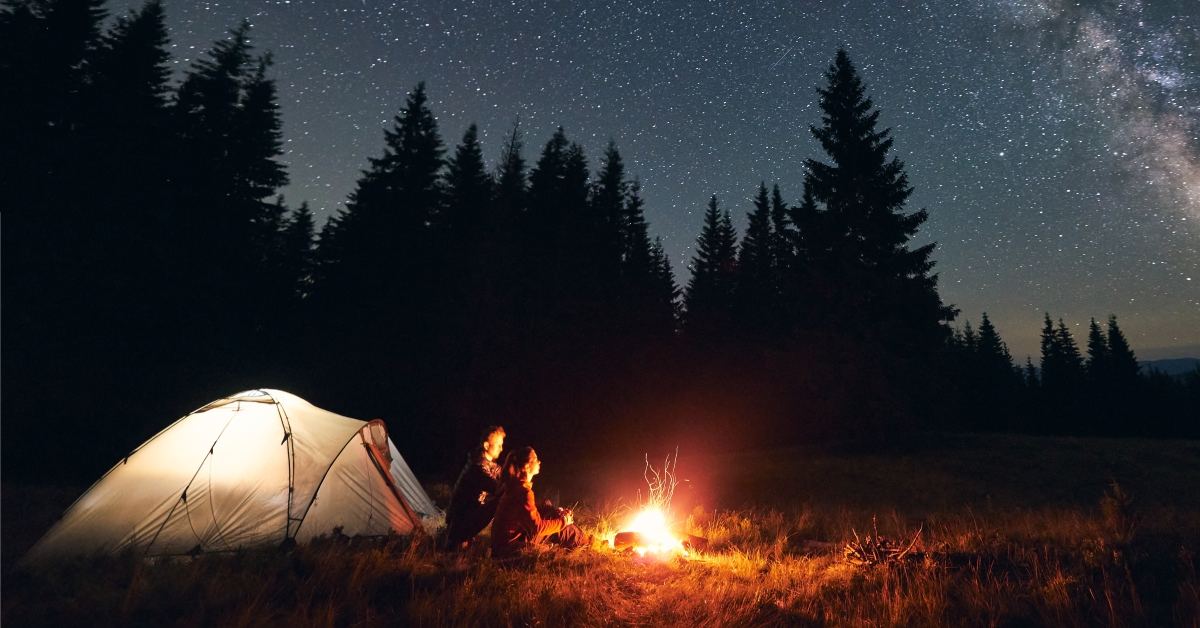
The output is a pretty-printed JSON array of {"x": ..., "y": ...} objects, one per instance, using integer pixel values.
[
  {"x": 406, "y": 481},
  {"x": 253, "y": 469}
]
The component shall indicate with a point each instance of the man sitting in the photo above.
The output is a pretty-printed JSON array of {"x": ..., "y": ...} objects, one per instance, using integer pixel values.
[{"x": 473, "y": 502}]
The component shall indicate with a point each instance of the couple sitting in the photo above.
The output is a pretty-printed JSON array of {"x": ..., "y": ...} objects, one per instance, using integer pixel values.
[{"x": 503, "y": 495}]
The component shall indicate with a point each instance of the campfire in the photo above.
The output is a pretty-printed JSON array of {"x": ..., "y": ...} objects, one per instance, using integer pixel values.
[{"x": 648, "y": 531}]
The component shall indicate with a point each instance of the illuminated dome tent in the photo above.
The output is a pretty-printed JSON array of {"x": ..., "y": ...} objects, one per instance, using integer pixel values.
[{"x": 259, "y": 468}]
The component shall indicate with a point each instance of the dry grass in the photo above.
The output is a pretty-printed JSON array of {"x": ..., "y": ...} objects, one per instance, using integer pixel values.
[{"x": 1120, "y": 556}]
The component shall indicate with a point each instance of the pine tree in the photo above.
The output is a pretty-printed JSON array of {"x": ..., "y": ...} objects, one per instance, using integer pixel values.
[
  {"x": 383, "y": 234},
  {"x": 503, "y": 231},
  {"x": 993, "y": 352},
  {"x": 781, "y": 242},
  {"x": 510, "y": 176},
  {"x": 129, "y": 87},
  {"x": 970, "y": 339},
  {"x": 561, "y": 262},
  {"x": 299, "y": 249},
  {"x": 128, "y": 130},
  {"x": 68, "y": 33},
  {"x": 227, "y": 115},
  {"x": 635, "y": 237},
  {"x": 547, "y": 202},
  {"x": 212, "y": 221},
  {"x": 804, "y": 272},
  {"x": 1072, "y": 360},
  {"x": 54, "y": 327},
  {"x": 709, "y": 297},
  {"x": 1031, "y": 375},
  {"x": 666, "y": 292},
  {"x": 1123, "y": 363},
  {"x": 608, "y": 201},
  {"x": 469, "y": 253},
  {"x": 756, "y": 267},
  {"x": 378, "y": 302},
  {"x": 879, "y": 285},
  {"x": 130, "y": 74},
  {"x": 806, "y": 245},
  {"x": 998, "y": 382},
  {"x": 1051, "y": 359},
  {"x": 257, "y": 137},
  {"x": 468, "y": 190},
  {"x": 605, "y": 228},
  {"x": 1097, "y": 361},
  {"x": 45, "y": 50},
  {"x": 646, "y": 274},
  {"x": 503, "y": 226},
  {"x": 1062, "y": 377}
]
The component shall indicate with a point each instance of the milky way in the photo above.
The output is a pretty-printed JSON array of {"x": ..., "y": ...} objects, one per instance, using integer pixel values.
[{"x": 1055, "y": 144}]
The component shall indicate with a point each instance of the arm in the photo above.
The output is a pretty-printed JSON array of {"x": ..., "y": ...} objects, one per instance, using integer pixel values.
[{"x": 541, "y": 527}]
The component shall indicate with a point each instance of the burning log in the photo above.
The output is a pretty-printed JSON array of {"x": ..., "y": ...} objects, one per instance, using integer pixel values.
[
  {"x": 628, "y": 540},
  {"x": 649, "y": 530}
]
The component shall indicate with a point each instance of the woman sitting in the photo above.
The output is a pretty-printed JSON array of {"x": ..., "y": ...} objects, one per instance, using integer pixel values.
[{"x": 518, "y": 523}]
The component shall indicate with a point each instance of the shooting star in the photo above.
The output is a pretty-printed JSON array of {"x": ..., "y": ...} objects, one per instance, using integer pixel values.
[{"x": 782, "y": 57}]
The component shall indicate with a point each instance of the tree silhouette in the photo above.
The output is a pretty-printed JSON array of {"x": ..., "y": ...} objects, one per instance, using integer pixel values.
[
  {"x": 1097, "y": 350},
  {"x": 648, "y": 284},
  {"x": 1123, "y": 363},
  {"x": 379, "y": 262},
  {"x": 609, "y": 197},
  {"x": 384, "y": 229},
  {"x": 709, "y": 297},
  {"x": 993, "y": 352},
  {"x": 756, "y": 266},
  {"x": 781, "y": 244},
  {"x": 227, "y": 114},
  {"x": 469, "y": 191},
  {"x": 666, "y": 292},
  {"x": 467, "y": 251},
  {"x": 299, "y": 250},
  {"x": 876, "y": 284}
]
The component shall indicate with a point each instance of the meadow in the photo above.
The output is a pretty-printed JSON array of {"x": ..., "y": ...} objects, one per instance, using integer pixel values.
[{"x": 1008, "y": 531}]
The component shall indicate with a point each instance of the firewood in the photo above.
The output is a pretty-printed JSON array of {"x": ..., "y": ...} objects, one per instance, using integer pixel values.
[
  {"x": 627, "y": 541},
  {"x": 875, "y": 549}
]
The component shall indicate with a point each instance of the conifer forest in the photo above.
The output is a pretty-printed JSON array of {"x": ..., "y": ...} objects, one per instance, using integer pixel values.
[{"x": 151, "y": 264}]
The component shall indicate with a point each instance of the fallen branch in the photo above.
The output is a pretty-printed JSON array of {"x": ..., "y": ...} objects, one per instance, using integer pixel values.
[{"x": 878, "y": 550}]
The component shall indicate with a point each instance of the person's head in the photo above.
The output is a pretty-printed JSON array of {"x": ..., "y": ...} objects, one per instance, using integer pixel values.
[
  {"x": 522, "y": 464},
  {"x": 493, "y": 441}
]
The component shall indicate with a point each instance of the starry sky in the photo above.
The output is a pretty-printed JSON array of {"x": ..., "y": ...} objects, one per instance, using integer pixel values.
[{"x": 1055, "y": 144}]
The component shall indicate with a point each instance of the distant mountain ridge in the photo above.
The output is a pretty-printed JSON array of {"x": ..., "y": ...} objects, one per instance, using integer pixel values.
[{"x": 1171, "y": 366}]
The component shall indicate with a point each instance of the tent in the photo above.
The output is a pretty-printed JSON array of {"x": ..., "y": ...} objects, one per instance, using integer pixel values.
[{"x": 259, "y": 468}]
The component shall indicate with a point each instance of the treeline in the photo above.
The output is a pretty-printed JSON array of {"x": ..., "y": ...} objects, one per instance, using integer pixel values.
[
  {"x": 1099, "y": 389},
  {"x": 150, "y": 266}
]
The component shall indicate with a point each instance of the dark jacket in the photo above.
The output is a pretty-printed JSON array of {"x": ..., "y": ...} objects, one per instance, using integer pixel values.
[
  {"x": 466, "y": 515},
  {"x": 517, "y": 521}
]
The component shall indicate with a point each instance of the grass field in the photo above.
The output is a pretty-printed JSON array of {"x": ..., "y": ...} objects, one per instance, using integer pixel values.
[{"x": 1015, "y": 531}]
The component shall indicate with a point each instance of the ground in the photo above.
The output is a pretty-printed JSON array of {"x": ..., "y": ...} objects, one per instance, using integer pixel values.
[{"x": 1015, "y": 531}]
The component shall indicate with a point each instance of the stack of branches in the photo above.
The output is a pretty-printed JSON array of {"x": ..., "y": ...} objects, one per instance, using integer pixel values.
[{"x": 879, "y": 550}]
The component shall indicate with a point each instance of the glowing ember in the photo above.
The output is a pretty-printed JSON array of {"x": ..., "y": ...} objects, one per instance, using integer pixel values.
[{"x": 653, "y": 534}]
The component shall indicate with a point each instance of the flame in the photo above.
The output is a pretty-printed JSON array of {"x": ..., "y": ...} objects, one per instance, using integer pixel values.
[{"x": 651, "y": 525}]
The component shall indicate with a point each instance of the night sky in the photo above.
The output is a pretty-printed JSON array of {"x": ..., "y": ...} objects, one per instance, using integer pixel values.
[{"x": 1055, "y": 144}]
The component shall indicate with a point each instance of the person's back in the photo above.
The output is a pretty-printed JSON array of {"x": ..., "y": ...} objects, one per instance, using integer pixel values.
[{"x": 518, "y": 522}]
